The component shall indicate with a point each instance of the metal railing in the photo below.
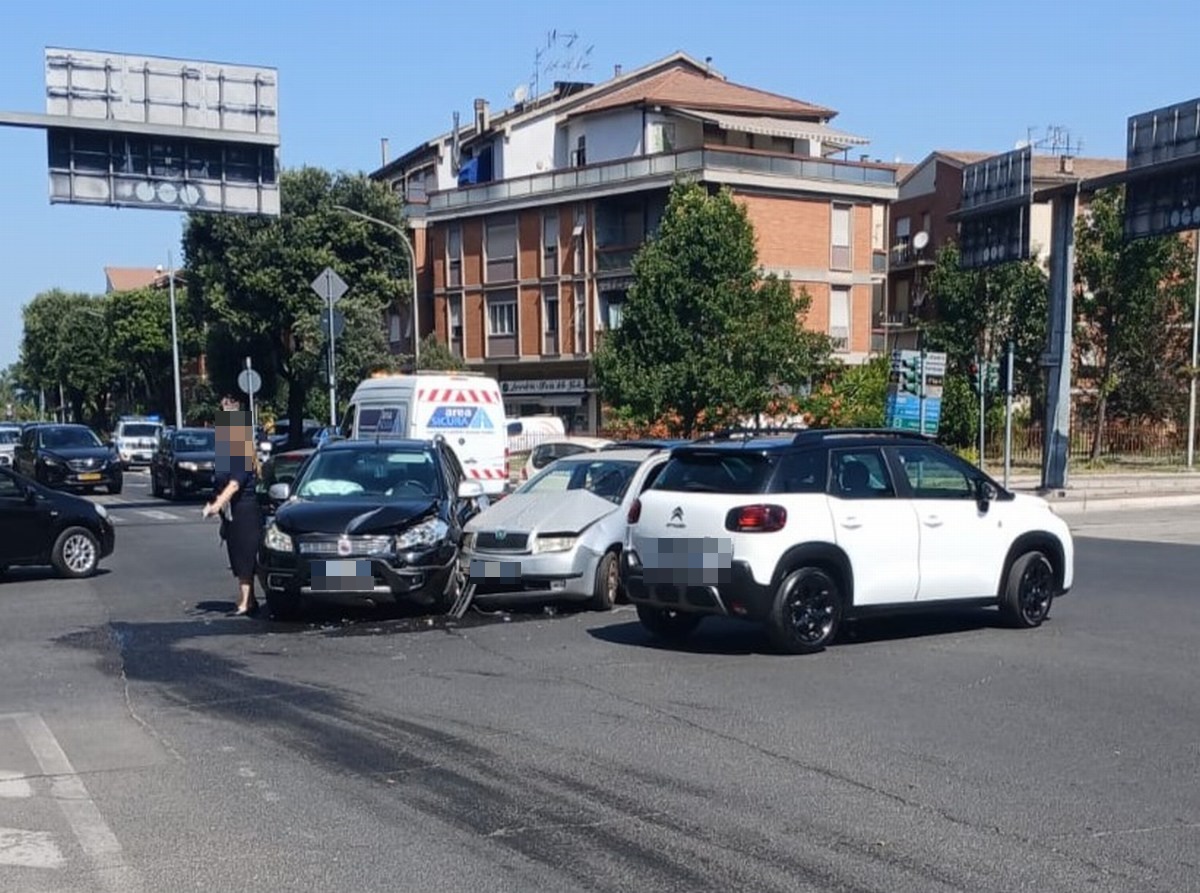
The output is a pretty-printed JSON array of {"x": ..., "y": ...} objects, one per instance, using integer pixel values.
[{"x": 1123, "y": 441}]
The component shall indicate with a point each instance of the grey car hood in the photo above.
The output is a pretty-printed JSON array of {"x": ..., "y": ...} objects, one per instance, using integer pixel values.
[{"x": 570, "y": 511}]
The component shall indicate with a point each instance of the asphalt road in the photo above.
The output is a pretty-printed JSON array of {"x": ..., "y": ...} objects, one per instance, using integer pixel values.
[{"x": 150, "y": 742}]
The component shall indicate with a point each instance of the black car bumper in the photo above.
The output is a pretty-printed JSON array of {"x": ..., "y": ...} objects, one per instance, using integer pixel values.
[
  {"x": 420, "y": 579},
  {"x": 68, "y": 479},
  {"x": 730, "y": 591},
  {"x": 188, "y": 481}
]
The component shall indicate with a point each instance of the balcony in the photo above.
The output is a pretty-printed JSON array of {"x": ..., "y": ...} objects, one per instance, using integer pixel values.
[
  {"x": 704, "y": 162},
  {"x": 904, "y": 256},
  {"x": 898, "y": 319}
]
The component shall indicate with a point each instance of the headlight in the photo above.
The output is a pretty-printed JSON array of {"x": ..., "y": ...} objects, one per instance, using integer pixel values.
[
  {"x": 101, "y": 511},
  {"x": 53, "y": 461},
  {"x": 276, "y": 540},
  {"x": 188, "y": 466},
  {"x": 468, "y": 542},
  {"x": 427, "y": 533},
  {"x": 554, "y": 544}
]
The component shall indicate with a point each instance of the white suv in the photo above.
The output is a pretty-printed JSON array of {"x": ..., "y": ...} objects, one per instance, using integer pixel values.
[{"x": 806, "y": 531}]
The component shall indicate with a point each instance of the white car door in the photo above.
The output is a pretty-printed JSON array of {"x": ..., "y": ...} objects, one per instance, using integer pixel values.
[
  {"x": 875, "y": 528},
  {"x": 962, "y": 545}
]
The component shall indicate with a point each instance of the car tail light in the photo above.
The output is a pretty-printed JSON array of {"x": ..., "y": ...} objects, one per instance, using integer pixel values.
[
  {"x": 635, "y": 511},
  {"x": 756, "y": 519}
]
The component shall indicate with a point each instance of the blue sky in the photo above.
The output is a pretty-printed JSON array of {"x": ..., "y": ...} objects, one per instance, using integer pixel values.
[{"x": 912, "y": 76}]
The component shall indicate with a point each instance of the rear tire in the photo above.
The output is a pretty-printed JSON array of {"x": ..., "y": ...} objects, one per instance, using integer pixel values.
[
  {"x": 608, "y": 584},
  {"x": 76, "y": 553},
  {"x": 668, "y": 625},
  {"x": 156, "y": 489},
  {"x": 1028, "y": 591},
  {"x": 806, "y": 613}
]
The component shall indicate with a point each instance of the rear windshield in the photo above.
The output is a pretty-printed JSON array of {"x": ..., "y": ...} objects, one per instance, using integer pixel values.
[
  {"x": 715, "y": 472},
  {"x": 139, "y": 430}
]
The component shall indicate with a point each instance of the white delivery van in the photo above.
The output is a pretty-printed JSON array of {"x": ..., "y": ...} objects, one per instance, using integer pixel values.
[{"x": 465, "y": 408}]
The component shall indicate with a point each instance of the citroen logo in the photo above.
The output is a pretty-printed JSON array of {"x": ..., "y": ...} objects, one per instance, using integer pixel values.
[
  {"x": 501, "y": 535},
  {"x": 677, "y": 515}
]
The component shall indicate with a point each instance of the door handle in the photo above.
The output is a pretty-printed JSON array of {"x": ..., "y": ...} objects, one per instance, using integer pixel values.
[
  {"x": 851, "y": 522},
  {"x": 932, "y": 521}
]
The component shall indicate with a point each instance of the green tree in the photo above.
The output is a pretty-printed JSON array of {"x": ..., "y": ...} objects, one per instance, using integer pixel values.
[
  {"x": 705, "y": 338},
  {"x": 65, "y": 344},
  {"x": 1134, "y": 294},
  {"x": 139, "y": 332},
  {"x": 249, "y": 284},
  {"x": 435, "y": 356}
]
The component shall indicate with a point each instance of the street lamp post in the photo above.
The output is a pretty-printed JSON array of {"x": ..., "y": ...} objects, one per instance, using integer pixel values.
[
  {"x": 412, "y": 272},
  {"x": 174, "y": 342}
]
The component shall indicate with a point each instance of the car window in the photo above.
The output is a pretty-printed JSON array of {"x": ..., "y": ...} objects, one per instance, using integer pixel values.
[
  {"x": 381, "y": 420},
  {"x": 653, "y": 475},
  {"x": 9, "y": 488},
  {"x": 378, "y": 473},
  {"x": 140, "y": 430},
  {"x": 68, "y": 438},
  {"x": 935, "y": 475},
  {"x": 195, "y": 442},
  {"x": 9, "y": 436},
  {"x": 715, "y": 471},
  {"x": 606, "y": 478},
  {"x": 859, "y": 474},
  {"x": 802, "y": 472}
]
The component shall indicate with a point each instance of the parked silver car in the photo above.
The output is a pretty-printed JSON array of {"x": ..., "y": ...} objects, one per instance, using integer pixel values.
[{"x": 559, "y": 534}]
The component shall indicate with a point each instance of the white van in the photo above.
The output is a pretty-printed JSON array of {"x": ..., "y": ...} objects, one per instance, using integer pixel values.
[{"x": 465, "y": 408}]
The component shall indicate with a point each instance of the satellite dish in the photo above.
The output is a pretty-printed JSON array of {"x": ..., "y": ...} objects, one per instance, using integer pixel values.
[
  {"x": 519, "y": 93},
  {"x": 920, "y": 240}
]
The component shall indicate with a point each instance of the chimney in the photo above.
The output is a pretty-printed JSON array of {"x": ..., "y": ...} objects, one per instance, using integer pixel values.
[
  {"x": 1066, "y": 164},
  {"x": 617, "y": 70},
  {"x": 383, "y": 150},
  {"x": 708, "y": 66},
  {"x": 481, "y": 115}
]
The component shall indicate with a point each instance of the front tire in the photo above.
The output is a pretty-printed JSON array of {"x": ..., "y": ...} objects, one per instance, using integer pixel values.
[
  {"x": 76, "y": 553},
  {"x": 116, "y": 486},
  {"x": 608, "y": 584},
  {"x": 156, "y": 489},
  {"x": 668, "y": 625},
  {"x": 281, "y": 605},
  {"x": 806, "y": 613},
  {"x": 1028, "y": 591}
]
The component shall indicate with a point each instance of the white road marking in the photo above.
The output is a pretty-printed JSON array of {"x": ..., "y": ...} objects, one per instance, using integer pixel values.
[
  {"x": 29, "y": 849},
  {"x": 95, "y": 838},
  {"x": 156, "y": 515},
  {"x": 14, "y": 785}
]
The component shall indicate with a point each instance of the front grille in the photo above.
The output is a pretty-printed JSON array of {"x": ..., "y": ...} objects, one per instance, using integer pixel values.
[
  {"x": 492, "y": 542},
  {"x": 359, "y": 546}
]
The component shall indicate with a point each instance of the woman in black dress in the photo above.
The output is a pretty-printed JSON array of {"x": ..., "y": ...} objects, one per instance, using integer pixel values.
[{"x": 234, "y": 484}]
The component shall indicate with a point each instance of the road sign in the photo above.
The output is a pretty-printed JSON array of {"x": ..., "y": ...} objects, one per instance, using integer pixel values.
[
  {"x": 249, "y": 381},
  {"x": 330, "y": 286},
  {"x": 1162, "y": 160},
  {"x": 915, "y": 391},
  {"x": 996, "y": 199},
  {"x": 339, "y": 323}
]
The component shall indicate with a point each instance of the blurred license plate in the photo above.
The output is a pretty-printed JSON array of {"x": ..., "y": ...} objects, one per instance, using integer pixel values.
[
  {"x": 495, "y": 570},
  {"x": 342, "y": 576},
  {"x": 91, "y": 476}
]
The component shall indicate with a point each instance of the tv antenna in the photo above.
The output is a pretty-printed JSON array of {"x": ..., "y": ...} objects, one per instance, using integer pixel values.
[
  {"x": 562, "y": 52},
  {"x": 1057, "y": 140}
]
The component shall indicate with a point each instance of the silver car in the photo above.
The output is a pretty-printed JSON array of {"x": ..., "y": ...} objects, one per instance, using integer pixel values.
[
  {"x": 9, "y": 435},
  {"x": 559, "y": 534}
]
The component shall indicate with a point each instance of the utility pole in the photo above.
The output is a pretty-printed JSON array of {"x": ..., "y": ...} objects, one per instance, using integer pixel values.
[
  {"x": 174, "y": 343},
  {"x": 921, "y": 395},
  {"x": 1008, "y": 415},
  {"x": 1191, "y": 442},
  {"x": 981, "y": 376}
]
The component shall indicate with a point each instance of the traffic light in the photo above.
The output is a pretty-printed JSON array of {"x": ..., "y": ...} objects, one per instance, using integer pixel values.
[{"x": 909, "y": 375}]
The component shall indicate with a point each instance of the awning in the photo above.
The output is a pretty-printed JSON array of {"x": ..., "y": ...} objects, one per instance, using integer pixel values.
[{"x": 782, "y": 127}]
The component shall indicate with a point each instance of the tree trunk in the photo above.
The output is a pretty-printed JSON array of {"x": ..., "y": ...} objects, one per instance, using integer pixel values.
[
  {"x": 296, "y": 400},
  {"x": 1101, "y": 415}
]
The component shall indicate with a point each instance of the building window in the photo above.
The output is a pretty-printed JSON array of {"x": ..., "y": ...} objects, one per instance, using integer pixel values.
[
  {"x": 662, "y": 137},
  {"x": 612, "y": 305},
  {"x": 455, "y": 313},
  {"x": 840, "y": 238},
  {"x": 903, "y": 230},
  {"x": 579, "y": 243},
  {"x": 550, "y": 319},
  {"x": 579, "y": 156},
  {"x": 501, "y": 248},
  {"x": 550, "y": 244},
  {"x": 393, "y": 326},
  {"x": 839, "y": 317},
  {"x": 926, "y": 222},
  {"x": 454, "y": 256},
  {"x": 782, "y": 144},
  {"x": 502, "y": 324}
]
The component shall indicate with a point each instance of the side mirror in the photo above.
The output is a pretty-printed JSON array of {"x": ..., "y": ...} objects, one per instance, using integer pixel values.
[
  {"x": 280, "y": 492},
  {"x": 985, "y": 492},
  {"x": 470, "y": 490}
]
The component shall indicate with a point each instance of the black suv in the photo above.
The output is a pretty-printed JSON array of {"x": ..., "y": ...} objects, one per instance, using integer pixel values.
[
  {"x": 369, "y": 521},
  {"x": 68, "y": 457}
]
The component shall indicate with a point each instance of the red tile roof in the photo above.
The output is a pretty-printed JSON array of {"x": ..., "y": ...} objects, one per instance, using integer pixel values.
[
  {"x": 133, "y": 278},
  {"x": 681, "y": 85}
]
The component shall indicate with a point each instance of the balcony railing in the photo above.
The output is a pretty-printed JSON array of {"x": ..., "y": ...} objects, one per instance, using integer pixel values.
[
  {"x": 666, "y": 165},
  {"x": 905, "y": 254}
]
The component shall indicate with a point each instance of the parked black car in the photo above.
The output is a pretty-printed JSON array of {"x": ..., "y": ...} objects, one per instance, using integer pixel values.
[
  {"x": 67, "y": 457},
  {"x": 184, "y": 463},
  {"x": 369, "y": 521},
  {"x": 279, "y": 469},
  {"x": 42, "y": 526}
]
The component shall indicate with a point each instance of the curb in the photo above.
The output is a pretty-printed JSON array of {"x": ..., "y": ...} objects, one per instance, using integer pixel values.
[{"x": 1068, "y": 506}]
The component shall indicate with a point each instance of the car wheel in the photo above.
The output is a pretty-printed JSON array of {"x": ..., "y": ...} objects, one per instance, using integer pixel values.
[
  {"x": 174, "y": 491},
  {"x": 76, "y": 553},
  {"x": 281, "y": 605},
  {"x": 1028, "y": 591},
  {"x": 663, "y": 623},
  {"x": 156, "y": 489},
  {"x": 608, "y": 584},
  {"x": 115, "y": 487},
  {"x": 806, "y": 613}
]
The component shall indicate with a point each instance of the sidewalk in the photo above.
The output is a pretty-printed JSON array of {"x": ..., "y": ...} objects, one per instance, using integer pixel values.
[{"x": 1100, "y": 491}]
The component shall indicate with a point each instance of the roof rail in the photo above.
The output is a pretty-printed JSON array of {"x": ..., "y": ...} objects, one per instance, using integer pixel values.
[
  {"x": 746, "y": 431},
  {"x": 818, "y": 434}
]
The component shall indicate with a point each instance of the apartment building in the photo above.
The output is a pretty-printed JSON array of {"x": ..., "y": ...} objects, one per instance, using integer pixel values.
[
  {"x": 920, "y": 225},
  {"x": 525, "y": 223}
]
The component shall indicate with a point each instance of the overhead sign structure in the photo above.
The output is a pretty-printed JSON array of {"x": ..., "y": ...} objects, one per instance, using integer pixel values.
[
  {"x": 1162, "y": 161},
  {"x": 152, "y": 132},
  {"x": 994, "y": 213}
]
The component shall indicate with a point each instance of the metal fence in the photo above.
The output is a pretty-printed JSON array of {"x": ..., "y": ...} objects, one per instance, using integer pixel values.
[{"x": 1124, "y": 441}]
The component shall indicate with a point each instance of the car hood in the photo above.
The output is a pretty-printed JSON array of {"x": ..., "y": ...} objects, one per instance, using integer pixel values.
[
  {"x": 354, "y": 516},
  {"x": 568, "y": 512},
  {"x": 98, "y": 452},
  {"x": 196, "y": 457}
]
